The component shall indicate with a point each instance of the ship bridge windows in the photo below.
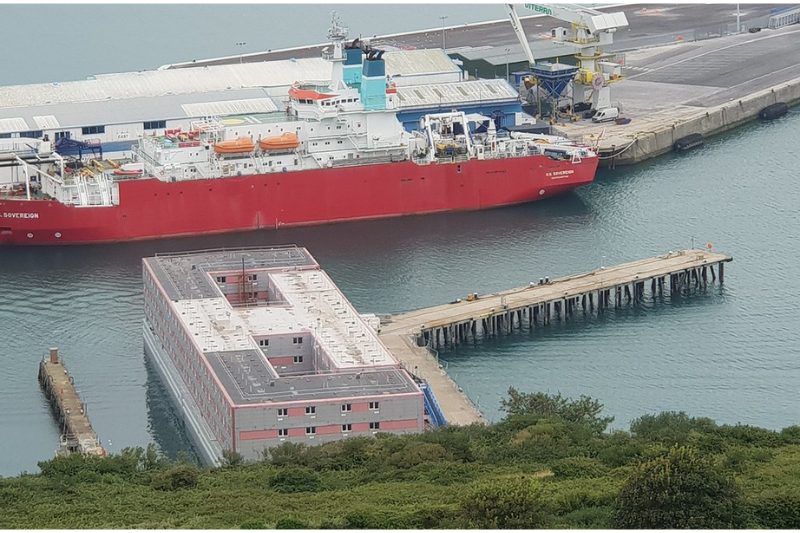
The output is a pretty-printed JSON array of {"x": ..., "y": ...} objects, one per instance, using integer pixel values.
[{"x": 62, "y": 135}]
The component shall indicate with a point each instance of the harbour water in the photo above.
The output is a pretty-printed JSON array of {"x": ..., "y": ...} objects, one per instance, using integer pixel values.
[
  {"x": 730, "y": 354},
  {"x": 76, "y": 41}
]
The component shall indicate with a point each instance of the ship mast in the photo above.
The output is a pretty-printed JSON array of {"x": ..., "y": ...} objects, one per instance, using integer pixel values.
[{"x": 337, "y": 34}]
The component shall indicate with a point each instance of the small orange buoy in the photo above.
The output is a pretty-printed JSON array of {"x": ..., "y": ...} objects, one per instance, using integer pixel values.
[{"x": 708, "y": 245}]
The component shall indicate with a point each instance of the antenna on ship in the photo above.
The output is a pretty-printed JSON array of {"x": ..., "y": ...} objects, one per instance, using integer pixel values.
[{"x": 337, "y": 32}]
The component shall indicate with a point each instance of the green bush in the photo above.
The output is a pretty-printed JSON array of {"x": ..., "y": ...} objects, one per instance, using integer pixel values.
[
  {"x": 457, "y": 440},
  {"x": 749, "y": 436},
  {"x": 231, "y": 459},
  {"x": 344, "y": 454},
  {"x": 678, "y": 491},
  {"x": 254, "y": 524},
  {"x": 578, "y": 467},
  {"x": 584, "y": 410},
  {"x": 180, "y": 476},
  {"x": 588, "y": 518},
  {"x": 363, "y": 519},
  {"x": 446, "y": 473},
  {"x": 738, "y": 457},
  {"x": 776, "y": 510},
  {"x": 416, "y": 453},
  {"x": 290, "y": 523},
  {"x": 790, "y": 435},
  {"x": 670, "y": 427},
  {"x": 295, "y": 479},
  {"x": 288, "y": 453},
  {"x": 506, "y": 504},
  {"x": 618, "y": 449}
]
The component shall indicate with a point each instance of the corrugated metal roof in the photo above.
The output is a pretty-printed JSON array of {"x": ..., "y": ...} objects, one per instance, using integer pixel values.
[
  {"x": 418, "y": 62},
  {"x": 10, "y": 125},
  {"x": 230, "y": 107},
  {"x": 497, "y": 55},
  {"x": 206, "y": 79},
  {"x": 455, "y": 93},
  {"x": 129, "y": 110},
  {"x": 46, "y": 122}
]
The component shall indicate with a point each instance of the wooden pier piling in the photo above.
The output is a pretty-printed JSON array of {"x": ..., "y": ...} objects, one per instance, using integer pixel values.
[
  {"x": 77, "y": 435},
  {"x": 536, "y": 305}
]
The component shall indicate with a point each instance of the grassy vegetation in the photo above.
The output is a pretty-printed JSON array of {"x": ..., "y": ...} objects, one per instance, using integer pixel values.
[{"x": 550, "y": 463}]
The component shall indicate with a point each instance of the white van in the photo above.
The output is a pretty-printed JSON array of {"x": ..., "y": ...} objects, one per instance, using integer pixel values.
[{"x": 605, "y": 115}]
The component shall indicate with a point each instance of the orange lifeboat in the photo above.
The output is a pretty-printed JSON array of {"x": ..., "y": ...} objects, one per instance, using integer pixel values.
[
  {"x": 285, "y": 141},
  {"x": 235, "y": 146}
]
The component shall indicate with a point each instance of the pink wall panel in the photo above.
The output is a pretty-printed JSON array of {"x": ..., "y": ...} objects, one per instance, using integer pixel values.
[
  {"x": 297, "y": 432},
  {"x": 297, "y": 411},
  {"x": 327, "y": 430},
  {"x": 280, "y": 360},
  {"x": 389, "y": 425},
  {"x": 258, "y": 434}
]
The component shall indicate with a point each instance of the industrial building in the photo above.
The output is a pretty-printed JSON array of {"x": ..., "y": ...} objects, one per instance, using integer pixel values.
[
  {"x": 258, "y": 347},
  {"x": 112, "y": 111}
]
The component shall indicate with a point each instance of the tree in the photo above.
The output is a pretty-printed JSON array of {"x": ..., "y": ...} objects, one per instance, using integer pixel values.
[
  {"x": 681, "y": 490},
  {"x": 584, "y": 410}
]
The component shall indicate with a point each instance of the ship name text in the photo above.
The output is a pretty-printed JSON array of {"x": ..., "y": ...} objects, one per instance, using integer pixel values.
[
  {"x": 20, "y": 215},
  {"x": 560, "y": 173}
]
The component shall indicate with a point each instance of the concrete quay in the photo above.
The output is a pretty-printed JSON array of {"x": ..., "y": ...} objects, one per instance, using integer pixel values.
[
  {"x": 649, "y": 24},
  {"x": 415, "y": 336},
  {"x": 704, "y": 87}
]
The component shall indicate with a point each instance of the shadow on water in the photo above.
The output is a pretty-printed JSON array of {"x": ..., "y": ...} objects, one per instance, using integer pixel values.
[
  {"x": 167, "y": 429},
  {"x": 588, "y": 322}
]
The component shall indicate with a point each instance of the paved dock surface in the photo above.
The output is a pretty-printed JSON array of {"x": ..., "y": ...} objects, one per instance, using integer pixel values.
[
  {"x": 401, "y": 332},
  {"x": 648, "y": 24},
  {"x": 68, "y": 407},
  {"x": 682, "y": 83},
  {"x": 456, "y": 406}
]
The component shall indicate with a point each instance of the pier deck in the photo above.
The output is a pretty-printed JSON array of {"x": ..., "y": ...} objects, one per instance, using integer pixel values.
[
  {"x": 78, "y": 436},
  {"x": 408, "y": 335}
]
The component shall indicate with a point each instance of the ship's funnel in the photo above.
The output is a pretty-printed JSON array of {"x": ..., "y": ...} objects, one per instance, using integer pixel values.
[
  {"x": 352, "y": 65},
  {"x": 373, "y": 81}
]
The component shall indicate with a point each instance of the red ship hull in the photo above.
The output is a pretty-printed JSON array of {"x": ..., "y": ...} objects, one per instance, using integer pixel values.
[{"x": 150, "y": 209}]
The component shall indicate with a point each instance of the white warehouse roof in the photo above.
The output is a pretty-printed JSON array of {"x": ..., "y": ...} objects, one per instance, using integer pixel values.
[
  {"x": 455, "y": 93},
  {"x": 132, "y": 110},
  {"x": 403, "y": 63}
]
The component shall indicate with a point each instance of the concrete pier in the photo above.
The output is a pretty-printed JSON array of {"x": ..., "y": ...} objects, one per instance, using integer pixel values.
[
  {"x": 77, "y": 434},
  {"x": 414, "y": 337}
]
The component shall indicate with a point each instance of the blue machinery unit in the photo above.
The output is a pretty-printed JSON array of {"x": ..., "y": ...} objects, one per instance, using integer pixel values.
[
  {"x": 553, "y": 78},
  {"x": 432, "y": 407}
]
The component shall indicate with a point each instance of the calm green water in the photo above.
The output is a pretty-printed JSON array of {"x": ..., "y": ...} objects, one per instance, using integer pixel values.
[{"x": 731, "y": 354}]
